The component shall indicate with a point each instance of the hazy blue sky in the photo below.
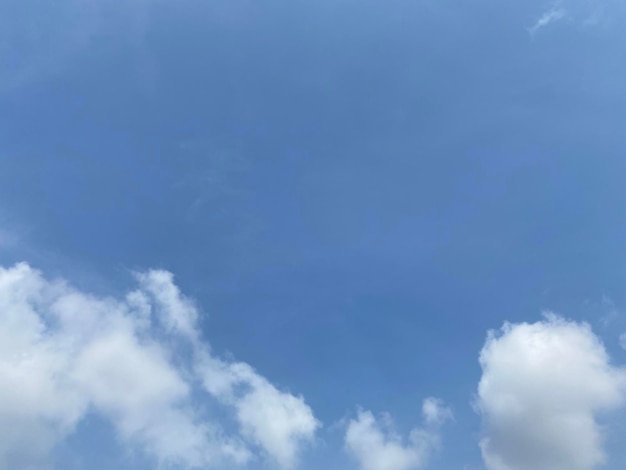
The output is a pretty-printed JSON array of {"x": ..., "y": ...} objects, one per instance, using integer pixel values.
[{"x": 349, "y": 195}]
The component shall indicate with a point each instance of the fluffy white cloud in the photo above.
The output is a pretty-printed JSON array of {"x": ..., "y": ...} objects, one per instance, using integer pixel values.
[
  {"x": 541, "y": 389},
  {"x": 277, "y": 421},
  {"x": 376, "y": 446},
  {"x": 36, "y": 405},
  {"x": 64, "y": 353}
]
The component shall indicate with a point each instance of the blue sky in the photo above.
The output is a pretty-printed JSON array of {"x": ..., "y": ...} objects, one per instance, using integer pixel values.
[{"x": 349, "y": 196}]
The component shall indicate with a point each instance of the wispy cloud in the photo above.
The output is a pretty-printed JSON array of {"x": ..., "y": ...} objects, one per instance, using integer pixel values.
[
  {"x": 581, "y": 14},
  {"x": 549, "y": 17}
]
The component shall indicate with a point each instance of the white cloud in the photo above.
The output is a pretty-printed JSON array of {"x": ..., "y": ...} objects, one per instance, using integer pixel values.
[
  {"x": 549, "y": 17},
  {"x": 64, "y": 353},
  {"x": 435, "y": 412},
  {"x": 622, "y": 340},
  {"x": 582, "y": 14},
  {"x": 277, "y": 421},
  {"x": 177, "y": 313},
  {"x": 376, "y": 446},
  {"x": 543, "y": 385}
]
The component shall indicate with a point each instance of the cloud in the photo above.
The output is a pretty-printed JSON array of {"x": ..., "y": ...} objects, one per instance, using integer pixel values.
[
  {"x": 275, "y": 420},
  {"x": 622, "y": 340},
  {"x": 376, "y": 446},
  {"x": 582, "y": 14},
  {"x": 178, "y": 314},
  {"x": 435, "y": 412},
  {"x": 550, "y": 16},
  {"x": 65, "y": 353},
  {"x": 541, "y": 390}
]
